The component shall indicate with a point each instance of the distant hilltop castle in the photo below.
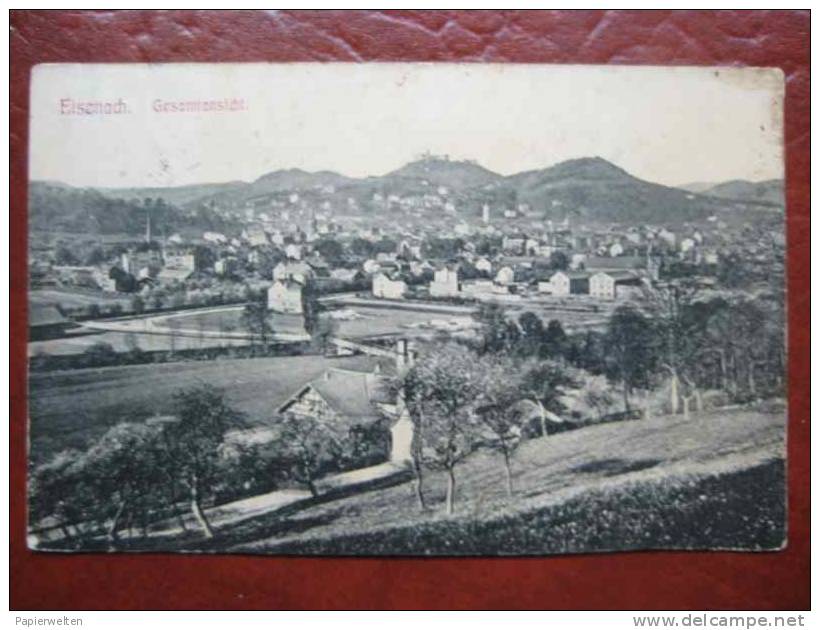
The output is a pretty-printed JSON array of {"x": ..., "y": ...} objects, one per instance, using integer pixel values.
[{"x": 428, "y": 156}]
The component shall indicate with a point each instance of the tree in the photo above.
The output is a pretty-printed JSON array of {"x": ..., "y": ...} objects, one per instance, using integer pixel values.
[
  {"x": 362, "y": 247},
  {"x": 412, "y": 390},
  {"x": 497, "y": 410},
  {"x": 204, "y": 257},
  {"x": 446, "y": 375},
  {"x": 256, "y": 320},
  {"x": 56, "y": 490},
  {"x": 543, "y": 383},
  {"x": 137, "y": 304},
  {"x": 65, "y": 256},
  {"x": 498, "y": 333},
  {"x": 100, "y": 353},
  {"x": 598, "y": 395},
  {"x": 308, "y": 446},
  {"x": 677, "y": 332},
  {"x": 629, "y": 344},
  {"x": 323, "y": 333},
  {"x": 203, "y": 417},
  {"x": 555, "y": 342},
  {"x": 123, "y": 282},
  {"x": 124, "y": 465},
  {"x": 532, "y": 334},
  {"x": 331, "y": 250},
  {"x": 310, "y": 305},
  {"x": 559, "y": 260},
  {"x": 95, "y": 256}
]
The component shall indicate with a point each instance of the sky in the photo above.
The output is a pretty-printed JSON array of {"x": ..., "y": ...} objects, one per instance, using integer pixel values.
[{"x": 671, "y": 125}]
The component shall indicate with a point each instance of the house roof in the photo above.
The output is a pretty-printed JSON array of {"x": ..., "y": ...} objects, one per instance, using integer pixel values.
[
  {"x": 620, "y": 276},
  {"x": 573, "y": 275},
  {"x": 353, "y": 396},
  {"x": 615, "y": 262}
]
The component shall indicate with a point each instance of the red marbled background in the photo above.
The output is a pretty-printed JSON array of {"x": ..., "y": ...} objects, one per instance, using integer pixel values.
[{"x": 609, "y": 581}]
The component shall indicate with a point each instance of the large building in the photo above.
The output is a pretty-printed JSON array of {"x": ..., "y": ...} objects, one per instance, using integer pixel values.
[
  {"x": 569, "y": 283},
  {"x": 285, "y": 296},
  {"x": 445, "y": 283},
  {"x": 384, "y": 287},
  {"x": 647, "y": 264},
  {"x": 178, "y": 266},
  {"x": 609, "y": 285}
]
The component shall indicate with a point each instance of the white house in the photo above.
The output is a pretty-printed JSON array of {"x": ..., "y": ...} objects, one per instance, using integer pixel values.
[
  {"x": 608, "y": 285},
  {"x": 478, "y": 289},
  {"x": 531, "y": 246},
  {"x": 215, "y": 237},
  {"x": 569, "y": 283},
  {"x": 484, "y": 265},
  {"x": 298, "y": 271},
  {"x": 293, "y": 251},
  {"x": 505, "y": 276},
  {"x": 384, "y": 287},
  {"x": 667, "y": 237},
  {"x": 686, "y": 244},
  {"x": 445, "y": 283},
  {"x": 616, "y": 249},
  {"x": 255, "y": 236},
  {"x": 371, "y": 266},
  {"x": 285, "y": 296}
]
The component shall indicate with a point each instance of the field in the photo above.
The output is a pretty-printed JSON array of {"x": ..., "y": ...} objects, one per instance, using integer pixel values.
[
  {"x": 81, "y": 340},
  {"x": 72, "y": 299},
  {"x": 229, "y": 319},
  {"x": 367, "y": 321},
  {"x": 716, "y": 480},
  {"x": 69, "y": 409}
]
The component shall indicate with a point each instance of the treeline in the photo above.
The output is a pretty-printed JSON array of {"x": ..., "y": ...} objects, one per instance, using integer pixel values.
[
  {"x": 86, "y": 211},
  {"x": 103, "y": 354},
  {"x": 675, "y": 337}
]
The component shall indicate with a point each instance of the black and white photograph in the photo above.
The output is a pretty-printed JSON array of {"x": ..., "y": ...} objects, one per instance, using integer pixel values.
[{"x": 406, "y": 309}]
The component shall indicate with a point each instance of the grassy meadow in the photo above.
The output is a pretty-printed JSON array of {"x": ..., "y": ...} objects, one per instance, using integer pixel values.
[
  {"x": 714, "y": 481},
  {"x": 69, "y": 409}
]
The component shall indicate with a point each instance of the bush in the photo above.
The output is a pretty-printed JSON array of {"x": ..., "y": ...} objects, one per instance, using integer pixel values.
[{"x": 714, "y": 398}]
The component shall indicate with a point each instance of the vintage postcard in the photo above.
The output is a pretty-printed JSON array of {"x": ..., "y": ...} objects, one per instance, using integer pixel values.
[{"x": 406, "y": 309}]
